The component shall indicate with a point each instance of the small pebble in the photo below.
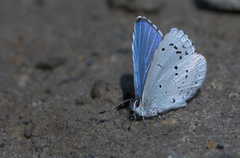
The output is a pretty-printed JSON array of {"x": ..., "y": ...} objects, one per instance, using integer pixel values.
[
  {"x": 169, "y": 122},
  {"x": 34, "y": 104},
  {"x": 22, "y": 80},
  {"x": 26, "y": 122},
  {"x": 95, "y": 54},
  {"x": 81, "y": 57},
  {"x": 2, "y": 145},
  {"x": 220, "y": 146},
  {"x": 17, "y": 41},
  {"x": 216, "y": 85},
  {"x": 211, "y": 144},
  {"x": 233, "y": 96},
  {"x": 28, "y": 134},
  {"x": 40, "y": 148},
  {"x": 50, "y": 63},
  {"x": 48, "y": 91}
]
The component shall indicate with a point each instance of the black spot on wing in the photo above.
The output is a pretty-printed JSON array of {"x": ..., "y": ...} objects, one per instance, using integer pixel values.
[{"x": 178, "y": 52}]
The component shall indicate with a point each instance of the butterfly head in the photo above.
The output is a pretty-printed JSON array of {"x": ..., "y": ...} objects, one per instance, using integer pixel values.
[
  {"x": 138, "y": 110},
  {"x": 135, "y": 106}
]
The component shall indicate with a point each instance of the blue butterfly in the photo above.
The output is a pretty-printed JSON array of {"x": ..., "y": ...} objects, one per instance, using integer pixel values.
[{"x": 167, "y": 70}]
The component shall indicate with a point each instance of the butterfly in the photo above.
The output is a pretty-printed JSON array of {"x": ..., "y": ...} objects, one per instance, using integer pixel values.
[{"x": 167, "y": 70}]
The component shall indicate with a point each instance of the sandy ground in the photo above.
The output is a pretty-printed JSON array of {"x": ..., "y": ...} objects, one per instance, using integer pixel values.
[{"x": 62, "y": 62}]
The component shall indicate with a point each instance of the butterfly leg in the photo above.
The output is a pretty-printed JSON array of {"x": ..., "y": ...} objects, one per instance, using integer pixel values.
[
  {"x": 129, "y": 126},
  {"x": 155, "y": 114},
  {"x": 143, "y": 119},
  {"x": 161, "y": 117}
]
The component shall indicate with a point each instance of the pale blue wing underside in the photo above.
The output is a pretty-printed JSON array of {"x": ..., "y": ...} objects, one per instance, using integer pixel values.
[
  {"x": 146, "y": 39},
  {"x": 175, "y": 74}
]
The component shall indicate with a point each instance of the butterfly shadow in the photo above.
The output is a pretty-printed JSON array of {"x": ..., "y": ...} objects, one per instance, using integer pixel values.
[
  {"x": 198, "y": 92},
  {"x": 127, "y": 86}
]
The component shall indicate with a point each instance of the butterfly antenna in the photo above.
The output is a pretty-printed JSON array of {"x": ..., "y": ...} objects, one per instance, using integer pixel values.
[{"x": 117, "y": 105}]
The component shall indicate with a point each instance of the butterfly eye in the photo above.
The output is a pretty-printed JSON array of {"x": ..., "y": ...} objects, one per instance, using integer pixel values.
[{"x": 137, "y": 103}]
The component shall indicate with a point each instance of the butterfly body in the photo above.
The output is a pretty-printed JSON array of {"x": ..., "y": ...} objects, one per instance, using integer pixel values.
[{"x": 167, "y": 70}]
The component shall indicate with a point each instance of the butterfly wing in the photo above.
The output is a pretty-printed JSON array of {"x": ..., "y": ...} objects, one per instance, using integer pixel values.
[
  {"x": 176, "y": 73},
  {"x": 146, "y": 39}
]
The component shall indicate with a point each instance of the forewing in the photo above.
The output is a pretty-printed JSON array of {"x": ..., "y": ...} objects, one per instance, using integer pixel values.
[
  {"x": 146, "y": 39},
  {"x": 176, "y": 73}
]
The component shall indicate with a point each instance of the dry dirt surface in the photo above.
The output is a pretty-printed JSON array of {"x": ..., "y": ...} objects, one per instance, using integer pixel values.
[{"x": 62, "y": 62}]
